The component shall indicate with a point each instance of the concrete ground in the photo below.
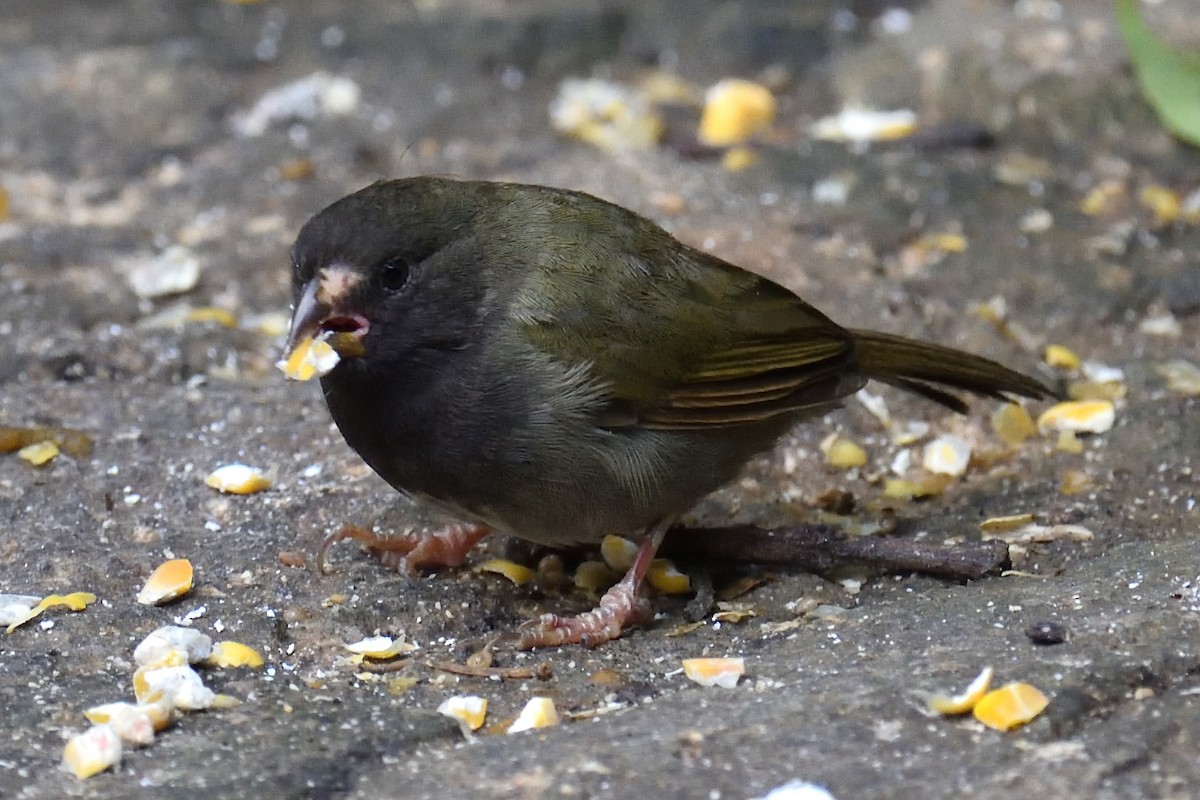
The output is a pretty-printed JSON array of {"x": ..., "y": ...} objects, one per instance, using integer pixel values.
[{"x": 128, "y": 128}]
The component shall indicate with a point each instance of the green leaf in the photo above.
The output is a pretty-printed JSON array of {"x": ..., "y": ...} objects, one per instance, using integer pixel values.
[{"x": 1170, "y": 79}]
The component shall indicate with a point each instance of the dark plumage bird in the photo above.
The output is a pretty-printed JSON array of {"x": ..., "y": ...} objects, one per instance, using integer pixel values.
[{"x": 545, "y": 364}]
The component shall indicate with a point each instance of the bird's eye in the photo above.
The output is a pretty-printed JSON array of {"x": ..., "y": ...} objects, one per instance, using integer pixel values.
[{"x": 393, "y": 275}]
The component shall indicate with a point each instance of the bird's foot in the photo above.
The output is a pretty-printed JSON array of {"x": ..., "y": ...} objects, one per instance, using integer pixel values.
[
  {"x": 444, "y": 547},
  {"x": 620, "y": 606}
]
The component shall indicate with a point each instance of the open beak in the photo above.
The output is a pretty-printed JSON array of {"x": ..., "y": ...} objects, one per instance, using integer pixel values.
[{"x": 317, "y": 315}]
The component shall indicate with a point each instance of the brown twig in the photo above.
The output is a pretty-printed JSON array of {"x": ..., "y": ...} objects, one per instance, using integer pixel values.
[
  {"x": 822, "y": 549},
  {"x": 541, "y": 672}
]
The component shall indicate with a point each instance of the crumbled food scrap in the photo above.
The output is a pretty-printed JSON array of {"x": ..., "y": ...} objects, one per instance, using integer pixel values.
[
  {"x": 963, "y": 702},
  {"x": 663, "y": 86},
  {"x": 221, "y": 701},
  {"x": 865, "y": 125},
  {"x": 519, "y": 574},
  {"x": 39, "y": 453},
  {"x": 297, "y": 169},
  {"x": 734, "y": 612},
  {"x": 876, "y": 405},
  {"x": 1181, "y": 376},
  {"x": 539, "y": 712},
  {"x": 1060, "y": 357},
  {"x": 170, "y": 580},
  {"x": 619, "y": 553},
  {"x": 735, "y": 110},
  {"x": 1076, "y": 481},
  {"x": 75, "y": 601},
  {"x": 238, "y": 479},
  {"x": 1164, "y": 324},
  {"x": 605, "y": 114},
  {"x": 666, "y": 578},
  {"x": 1005, "y": 524},
  {"x": 737, "y": 159},
  {"x": 843, "y": 453},
  {"x": 133, "y": 723},
  {"x": 1165, "y": 203},
  {"x": 179, "y": 687},
  {"x": 906, "y": 433},
  {"x": 174, "y": 271},
  {"x": 172, "y": 645},
  {"x": 72, "y": 442},
  {"x": 1032, "y": 532},
  {"x": 1036, "y": 220},
  {"x": 233, "y": 654},
  {"x": 1078, "y": 416},
  {"x": 1068, "y": 442},
  {"x": 315, "y": 96},
  {"x": 1101, "y": 372},
  {"x": 1021, "y": 169},
  {"x": 470, "y": 710},
  {"x": 592, "y": 576},
  {"x": 1104, "y": 198},
  {"x": 381, "y": 647},
  {"x": 947, "y": 455},
  {"x": 129, "y": 718},
  {"x": 312, "y": 357},
  {"x": 723, "y": 672},
  {"x": 93, "y": 751},
  {"x": 929, "y": 250},
  {"x": 798, "y": 790},
  {"x": 1010, "y": 706},
  {"x": 219, "y": 316},
  {"x": 401, "y": 684},
  {"x": 1013, "y": 423},
  {"x": 995, "y": 311}
]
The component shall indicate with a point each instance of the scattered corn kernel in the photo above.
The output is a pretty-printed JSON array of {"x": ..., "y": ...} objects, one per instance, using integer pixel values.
[
  {"x": 734, "y": 111},
  {"x": 723, "y": 672},
  {"x": 906, "y": 433},
  {"x": 93, "y": 751},
  {"x": 1010, "y": 706},
  {"x": 172, "y": 645},
  {"x": 1068, "y": 442},
  {"x": 947, "y": 455},
  {"x": 470, "y": 710},
  {"x": 606, "y": 114},
  {"x": 1165, "y": 203},
  {"x": 172, "y": 579},
  {"x": 965, "y": 701},
  {"x": 1078, "y": 416},
  {"x": 865, "y": 125},
  {"x": 737, "y": 159},
  {"x": 310, "y": 358},
  {"x": 180, "y": 687},
  {"x": 15, "y": 608},
  {"x": 238, "y": 479},
  {"x": 900, "y": 489},
  {"x": 519, "y": 574},
  {"x": 593, "y": 576},
  {"x": 38, "y": 453},
  {"x": 1075, "y": 481},
  {"x": 1103, "y": 198},
  {"x": 618, "y": 553},
  {"x": 233, "y": 654},
  {"x": 1013, "y": 424},
  {"x": 73, "y": 442},
  {"x": 1060, "y": 357},
  {"x": 1182, "y": 376},
  {"x": 845, "y": 454},
  {"x": 539, "y": 712},
  {"x": 664, "y": 577},
  {"x": 132, "y": 723},
  {"x": 381, "y": 647},
  {"x": 225, "y": 701},
  {"x": 75, "y": 601}
]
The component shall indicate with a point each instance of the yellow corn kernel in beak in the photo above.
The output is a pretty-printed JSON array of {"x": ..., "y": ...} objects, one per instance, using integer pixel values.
[{"x": 311, "y": 358}]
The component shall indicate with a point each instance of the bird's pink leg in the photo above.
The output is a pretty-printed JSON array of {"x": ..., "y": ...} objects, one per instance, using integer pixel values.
[
  {"x": 444, "y": 547},
  {"x": 617, "y": 608}
]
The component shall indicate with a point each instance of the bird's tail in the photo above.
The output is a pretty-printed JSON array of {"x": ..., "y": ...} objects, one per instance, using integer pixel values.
[{"x": 924, "y": 368}]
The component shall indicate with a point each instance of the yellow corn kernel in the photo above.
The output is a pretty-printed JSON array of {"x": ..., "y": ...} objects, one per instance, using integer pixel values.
[
  {"x": 1060, "y": 357},
  {"x": 1013, "y": 424},
  {"x": 539, "y": 712},
  {"x": 1010, "y": 706},
  {"x": 664, "y": 577},
  {"x": 1078, "y": 416},
  {"x": 238, "y": 479},
  {"x": 723, "y": 672},
  {"x": 92, "y": 751},
  {"x": 233, "y": 654},
  {"x": 519, "y": 574},
  {"x": 170, "y": 580},
  {"x": 966, "y": 700},
  {"x": 734, "y": 111},
  {"x": 470, "y": 710}
]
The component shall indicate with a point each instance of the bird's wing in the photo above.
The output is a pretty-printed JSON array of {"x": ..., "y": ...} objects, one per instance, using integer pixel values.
[{"x": 697, "y": 344}]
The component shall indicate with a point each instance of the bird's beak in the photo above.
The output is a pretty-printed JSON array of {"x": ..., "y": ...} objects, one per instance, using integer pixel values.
[
  {"x": 320, "y": 313},
  {"x": 307, "y": 316}
]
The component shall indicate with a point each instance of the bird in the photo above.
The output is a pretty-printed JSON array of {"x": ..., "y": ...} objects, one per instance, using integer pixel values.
[{"x": 545, "y": 364}]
